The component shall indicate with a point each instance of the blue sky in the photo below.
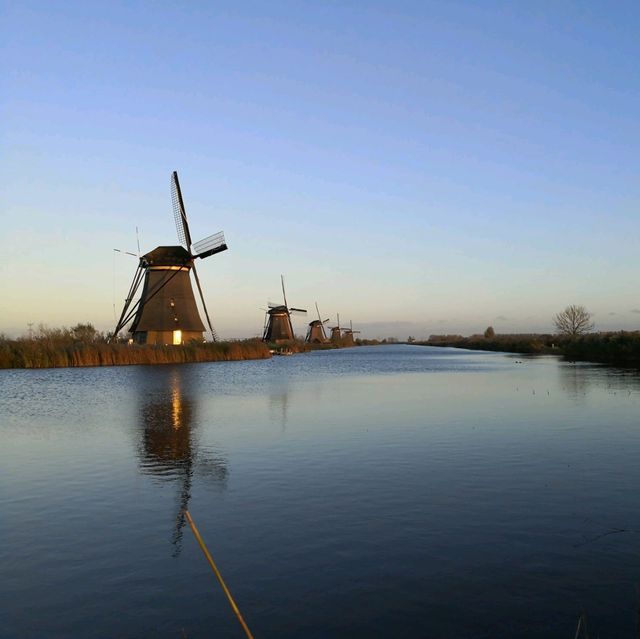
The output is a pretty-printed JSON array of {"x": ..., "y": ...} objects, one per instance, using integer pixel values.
[{"x": 442, "y": 165}]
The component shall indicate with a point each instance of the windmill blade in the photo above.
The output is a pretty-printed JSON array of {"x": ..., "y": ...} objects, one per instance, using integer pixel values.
[
  {"x": 214, "y": 335},
  {"x": 124, "y": 318},
  {"x": 297, "y": 310},
  {"x": 318, "y": 312},
  {"x": 325, "y": 321},
  {"x": 283, "y": 291},
  {"x": 210, "y": 245},
  {"x": 179, "y": 213}
]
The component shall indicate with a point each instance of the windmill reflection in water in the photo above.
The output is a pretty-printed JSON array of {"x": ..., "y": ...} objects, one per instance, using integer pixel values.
[{"x": 168, "y": 448}]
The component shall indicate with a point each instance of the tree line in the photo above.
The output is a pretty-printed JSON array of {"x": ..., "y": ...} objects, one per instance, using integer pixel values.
[{"x": 574, "y": 338}]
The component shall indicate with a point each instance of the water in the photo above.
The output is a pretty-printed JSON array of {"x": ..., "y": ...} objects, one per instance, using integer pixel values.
[{"x": 369, "y": 492}]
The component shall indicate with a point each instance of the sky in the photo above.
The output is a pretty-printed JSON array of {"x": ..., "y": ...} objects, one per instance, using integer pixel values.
[{"x": 418, "y": 167}]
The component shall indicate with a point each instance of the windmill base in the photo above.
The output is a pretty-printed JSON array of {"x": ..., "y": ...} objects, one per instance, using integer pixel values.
[{"x": 167, "y": 338}]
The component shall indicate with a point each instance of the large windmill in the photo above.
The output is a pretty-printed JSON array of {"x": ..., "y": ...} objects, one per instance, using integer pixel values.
[
  {"x": 166, "y": 311},
  {"x": 278, "y": 327},
  {"x": 316, "y": 333},
  {"x": 347, "y": 336}
]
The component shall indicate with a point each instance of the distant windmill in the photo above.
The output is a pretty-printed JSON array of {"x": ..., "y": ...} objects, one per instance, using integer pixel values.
[
  {"x": 316, "y": 333},
  {"x": 166, "y": 311},
  {"x": 348, "y": 334},
  {"x": 336, "y": 334},
  {"x": 278, "y": 327}
]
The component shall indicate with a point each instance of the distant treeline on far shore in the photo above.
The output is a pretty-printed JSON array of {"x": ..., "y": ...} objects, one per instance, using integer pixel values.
[{"x": 620, "y": 347}]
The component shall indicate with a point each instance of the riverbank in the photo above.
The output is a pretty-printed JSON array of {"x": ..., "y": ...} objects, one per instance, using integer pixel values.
[
  {"x": 621, "y": 348},
  {"x": 60, "y": 353},
  {"x": 298, "y": 346},
  {"x": 83, "y": 345}
]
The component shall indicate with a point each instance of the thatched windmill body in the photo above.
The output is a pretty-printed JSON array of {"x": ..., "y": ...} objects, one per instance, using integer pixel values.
[
  {"x": 166, "y": 311},
  {"x": 336, "y": 331},
  {"x": 278, "y": 327},
  {"x": 347, "y": 336},
  {"x": 316, "y": 333}
]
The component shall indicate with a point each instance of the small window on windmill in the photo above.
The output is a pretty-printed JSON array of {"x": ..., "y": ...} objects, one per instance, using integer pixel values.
[
  {"x": 172, "y": 303},
  {"x": 177, "y": 338}
]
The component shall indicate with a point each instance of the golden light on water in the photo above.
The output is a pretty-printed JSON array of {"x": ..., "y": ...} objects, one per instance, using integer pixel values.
[{"x": 176, "y": 402}]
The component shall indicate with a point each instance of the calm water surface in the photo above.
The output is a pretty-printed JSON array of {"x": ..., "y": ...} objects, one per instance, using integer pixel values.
[{"x": 370, "y": 492}]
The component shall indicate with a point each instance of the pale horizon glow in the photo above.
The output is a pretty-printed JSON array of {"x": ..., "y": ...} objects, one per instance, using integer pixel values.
[{"x": 417, "y": 167}]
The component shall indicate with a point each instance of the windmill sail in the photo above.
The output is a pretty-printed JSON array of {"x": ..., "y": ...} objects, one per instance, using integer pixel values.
[
  {"x": 179, "y": 213},
  {"x": 210, "y": 245}
]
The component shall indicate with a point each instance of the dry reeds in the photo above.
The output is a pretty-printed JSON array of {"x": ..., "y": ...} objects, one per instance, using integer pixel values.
[{"x": 83, "y": 346}]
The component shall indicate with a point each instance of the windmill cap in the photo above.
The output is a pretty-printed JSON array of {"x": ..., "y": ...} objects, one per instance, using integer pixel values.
[
  {"x": 167, "y": 256},
  {"x": 278, "y": 310}
]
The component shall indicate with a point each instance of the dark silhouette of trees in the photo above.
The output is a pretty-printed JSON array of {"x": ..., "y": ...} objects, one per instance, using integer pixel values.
[
  {"x": 86, "y": 333},
  {"x": 489, "y": 333},
  {"x": 574, "y": 320}
]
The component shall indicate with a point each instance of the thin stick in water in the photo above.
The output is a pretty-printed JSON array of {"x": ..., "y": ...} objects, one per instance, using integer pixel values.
[{"x": 207, "y": 554}]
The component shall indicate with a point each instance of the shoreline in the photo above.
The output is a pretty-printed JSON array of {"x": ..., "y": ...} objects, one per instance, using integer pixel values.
[
  {"x": 57, "y": 352},
  {"x": 40, "y": 354},
  {"x": 621, "y": 348}
]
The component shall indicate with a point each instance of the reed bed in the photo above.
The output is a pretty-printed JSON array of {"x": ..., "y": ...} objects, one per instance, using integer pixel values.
[
  {"x": 511, "y": 343},
  {"x": 300, "y": 346},
  {"x": 60, "y": 348},
  {"x": 621, "y": 348}
]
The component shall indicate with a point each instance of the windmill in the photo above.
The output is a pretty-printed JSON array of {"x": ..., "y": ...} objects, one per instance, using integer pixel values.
[
  {"x": 348, "y": 335},
  {"x": 166, "y": 311},
  {"x": 278, "y": 327},
  {"x": 316, "y": 333},
  {"x": 336, "y": 335}
]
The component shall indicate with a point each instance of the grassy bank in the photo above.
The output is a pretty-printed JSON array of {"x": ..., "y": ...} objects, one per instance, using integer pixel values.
[
  {"x": 58, "y": 348},
  {"x": 513, "y": 343},
  {"x": 300, "y": 346},
  {"x": 620, "y": 348}
]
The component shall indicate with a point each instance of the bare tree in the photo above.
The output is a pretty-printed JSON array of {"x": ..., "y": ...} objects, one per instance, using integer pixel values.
[
  {"x": 574, "y": 320},
  {"x": 489, "y": 332}
]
